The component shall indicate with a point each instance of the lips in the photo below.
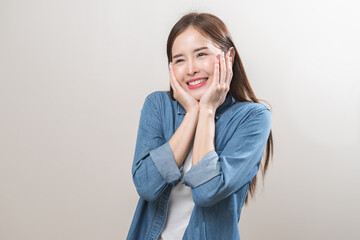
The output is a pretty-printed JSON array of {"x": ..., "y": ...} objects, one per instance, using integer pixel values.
[
  {"x": 195, "y": 79},
  {"x": 196, "y": 82}
]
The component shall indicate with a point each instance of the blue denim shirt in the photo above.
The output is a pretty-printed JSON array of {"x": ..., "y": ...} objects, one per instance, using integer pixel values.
[{"x": 219, "y": 181}]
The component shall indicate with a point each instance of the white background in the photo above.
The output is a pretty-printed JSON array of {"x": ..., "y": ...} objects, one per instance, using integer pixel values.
[{"x": 74, "y": 75}]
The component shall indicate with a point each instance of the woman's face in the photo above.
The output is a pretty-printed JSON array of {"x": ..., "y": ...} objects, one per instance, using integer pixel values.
[{"x": 193, "y": 61}]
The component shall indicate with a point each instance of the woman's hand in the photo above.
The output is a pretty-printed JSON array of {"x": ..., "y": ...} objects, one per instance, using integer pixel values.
[
  {"x": 216, "y": 93},
  {"x": 189, "y": 103}
]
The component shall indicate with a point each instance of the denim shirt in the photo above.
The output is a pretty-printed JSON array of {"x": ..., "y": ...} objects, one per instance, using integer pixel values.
[{"x": 219, "y": 182}]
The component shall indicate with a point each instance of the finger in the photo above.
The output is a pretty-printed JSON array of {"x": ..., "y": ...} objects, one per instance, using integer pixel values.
[
  {"x": 229, "y": 73},
  {"x": 216, "y": 72},
  {"x": 222, "y": 68},
  {"x": 227, "y": 67},
  {"x": 174, "y": 83},
  {"x": 170, "y": 77}
]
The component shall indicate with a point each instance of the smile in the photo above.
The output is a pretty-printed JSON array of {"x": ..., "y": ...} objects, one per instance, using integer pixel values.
[{"x": 197, "y": 83}]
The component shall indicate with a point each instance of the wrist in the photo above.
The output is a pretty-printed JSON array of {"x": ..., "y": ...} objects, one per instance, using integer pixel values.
[
  {"x": 193, "y": 114},
  {"x": 207, "y": 109},
  {"x": 193, "y": 110}
]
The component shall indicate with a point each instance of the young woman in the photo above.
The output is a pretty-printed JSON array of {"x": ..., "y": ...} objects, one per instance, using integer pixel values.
[{"x": 199, "y": 146}]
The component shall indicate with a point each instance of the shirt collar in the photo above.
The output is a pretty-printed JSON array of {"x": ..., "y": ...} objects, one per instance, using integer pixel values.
[{"x": 229, "y": 100}]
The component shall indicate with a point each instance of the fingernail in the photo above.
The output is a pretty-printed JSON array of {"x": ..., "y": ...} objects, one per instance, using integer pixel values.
[
  {"x": 169, "y": 65},
  {"x": 223, "y": 54}
]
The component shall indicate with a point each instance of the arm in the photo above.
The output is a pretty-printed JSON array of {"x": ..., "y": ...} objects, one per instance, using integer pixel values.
[
  {"x": 205, "y": 134},
  {"x": 182, "y": 138},
  {"x": 209, "y": 102},
  {"x": 155, "y": 166},
  {"x": 216, "y": 177}
]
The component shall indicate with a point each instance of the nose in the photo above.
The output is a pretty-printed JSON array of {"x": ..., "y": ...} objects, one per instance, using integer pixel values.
[{"x": 192, "y": 68}]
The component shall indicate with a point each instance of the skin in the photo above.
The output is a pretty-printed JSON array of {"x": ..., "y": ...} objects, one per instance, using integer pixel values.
[{"x": 200, "y": 103}]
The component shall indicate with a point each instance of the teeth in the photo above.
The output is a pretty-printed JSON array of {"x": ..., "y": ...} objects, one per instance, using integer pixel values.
[{"x": 197, "y": 82}]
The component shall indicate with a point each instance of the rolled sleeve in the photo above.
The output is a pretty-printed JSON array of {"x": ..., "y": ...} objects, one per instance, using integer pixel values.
[
  {"x": 206, "y": 169},
  {"x": 164, "y": 161},
  {"x": 215, "y": 177}
]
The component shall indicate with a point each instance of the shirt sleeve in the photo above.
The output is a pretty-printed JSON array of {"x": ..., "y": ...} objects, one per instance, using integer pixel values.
[
  {"x": 154, "y": 166},
  {"x": 217, "y": 176}
]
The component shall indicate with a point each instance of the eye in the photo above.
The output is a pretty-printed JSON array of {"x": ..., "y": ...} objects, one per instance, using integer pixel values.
[
  {"x": 179, "y": 60},
  {"x": 201, "y": 54}
]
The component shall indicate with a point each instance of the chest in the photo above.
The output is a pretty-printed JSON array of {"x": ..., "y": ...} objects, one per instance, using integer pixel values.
[{"x": 225, "y": 127}]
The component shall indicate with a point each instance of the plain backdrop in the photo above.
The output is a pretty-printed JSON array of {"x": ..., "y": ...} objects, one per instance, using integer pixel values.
[{"x": 74, "y": 75}]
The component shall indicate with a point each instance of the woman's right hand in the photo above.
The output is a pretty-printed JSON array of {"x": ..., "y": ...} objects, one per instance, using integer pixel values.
[{"x": 189, "y": 103}]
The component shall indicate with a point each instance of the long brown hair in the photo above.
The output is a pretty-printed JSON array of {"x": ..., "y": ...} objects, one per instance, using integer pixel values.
[{"x": 212, "y": 27}]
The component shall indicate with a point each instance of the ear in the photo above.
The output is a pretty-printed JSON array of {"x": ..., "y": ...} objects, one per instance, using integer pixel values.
[{"x": 232, "y": 53}]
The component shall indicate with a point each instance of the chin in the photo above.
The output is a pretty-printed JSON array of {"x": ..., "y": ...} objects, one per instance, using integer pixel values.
[{"x": 197, "y": 96}]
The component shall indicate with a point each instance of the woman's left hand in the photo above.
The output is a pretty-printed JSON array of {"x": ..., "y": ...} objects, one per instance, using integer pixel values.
[{"x": 215, "y": 95}]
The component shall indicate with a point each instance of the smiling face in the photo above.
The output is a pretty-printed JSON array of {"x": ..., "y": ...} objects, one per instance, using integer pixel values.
[{"x": 193, "y": 61}]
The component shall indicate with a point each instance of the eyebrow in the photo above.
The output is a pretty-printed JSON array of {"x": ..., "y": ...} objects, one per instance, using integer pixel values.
[{"x": 196, "y": 50}]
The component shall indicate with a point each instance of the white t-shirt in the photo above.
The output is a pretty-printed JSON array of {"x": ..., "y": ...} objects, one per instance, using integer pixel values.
[{"x": 180, "y": 207}]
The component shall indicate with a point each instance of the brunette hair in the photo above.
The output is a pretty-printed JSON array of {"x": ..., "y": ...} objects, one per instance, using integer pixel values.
[{"x": 212, "y": 27}]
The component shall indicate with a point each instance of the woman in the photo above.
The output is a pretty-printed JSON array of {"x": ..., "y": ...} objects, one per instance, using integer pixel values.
[{"x": 199, "y": 146}]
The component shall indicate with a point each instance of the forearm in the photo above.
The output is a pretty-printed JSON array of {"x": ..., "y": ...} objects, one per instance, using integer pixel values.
[
  {"x": 182, "y": 138},
  {"x": 205, "y": 134}
]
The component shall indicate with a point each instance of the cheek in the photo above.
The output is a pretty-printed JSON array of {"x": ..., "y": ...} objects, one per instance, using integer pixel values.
[
  {"x": 179, "y": 74},
  {"x": 209, "y": 65}
]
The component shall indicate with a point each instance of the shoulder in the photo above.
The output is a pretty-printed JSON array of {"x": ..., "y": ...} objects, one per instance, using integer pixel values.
[
  {"x": 158, "y": 96},
  {"x": 247, "y": 111},
  {"x": 250, "y": 107},
  {"x": 160, "y": 101}
]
